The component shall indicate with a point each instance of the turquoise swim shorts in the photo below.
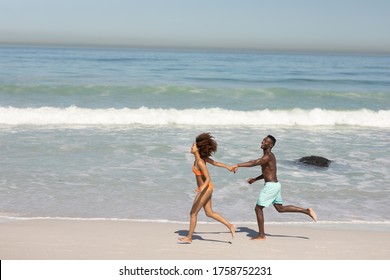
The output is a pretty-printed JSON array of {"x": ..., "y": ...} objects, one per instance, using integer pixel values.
[{"x": 270, "y": 194}]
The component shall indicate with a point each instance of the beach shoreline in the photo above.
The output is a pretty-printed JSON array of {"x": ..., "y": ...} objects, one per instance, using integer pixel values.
[{"x": 62, "y": 239}]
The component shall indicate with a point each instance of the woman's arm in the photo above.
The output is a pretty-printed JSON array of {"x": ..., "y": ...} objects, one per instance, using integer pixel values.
[
  {"x": 202, "y": 166},
  {"x": 219, "y": 164}
]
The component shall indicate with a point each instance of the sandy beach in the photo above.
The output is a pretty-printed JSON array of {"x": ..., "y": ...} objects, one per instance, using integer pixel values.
[{"x": 51, "y": 239}]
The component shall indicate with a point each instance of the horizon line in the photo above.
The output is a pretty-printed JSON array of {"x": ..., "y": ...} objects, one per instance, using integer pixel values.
[{"x": 196, "y": 48}]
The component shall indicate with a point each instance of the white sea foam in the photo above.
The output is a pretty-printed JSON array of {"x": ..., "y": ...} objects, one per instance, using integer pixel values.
[
  {"x": 14, "y": 217},
  {"x": 213, "y": 116}
]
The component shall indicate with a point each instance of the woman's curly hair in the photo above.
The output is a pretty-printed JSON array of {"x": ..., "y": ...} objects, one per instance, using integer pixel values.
[{"x": 206, "y": 145}]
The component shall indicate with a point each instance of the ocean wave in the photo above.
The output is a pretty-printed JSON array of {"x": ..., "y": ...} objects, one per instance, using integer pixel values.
[{"x": 207, "y": 116}]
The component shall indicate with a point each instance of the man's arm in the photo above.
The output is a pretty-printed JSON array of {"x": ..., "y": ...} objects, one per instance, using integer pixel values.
[
  {"x": 252, "y": 180},
  {"x": 251, "y": 163}
]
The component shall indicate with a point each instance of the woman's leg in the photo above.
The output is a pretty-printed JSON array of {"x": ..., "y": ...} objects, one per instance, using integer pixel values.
[
  {"x": 216, "y": 216},
  {"x": 199, "y": 202}
]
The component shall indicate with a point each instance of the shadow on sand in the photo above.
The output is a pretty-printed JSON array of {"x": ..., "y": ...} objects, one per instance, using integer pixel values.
[
  {"x": 198, "y": 237},
  {"x": 249, "y": 232},
  {"x": 252, "y": 233}
]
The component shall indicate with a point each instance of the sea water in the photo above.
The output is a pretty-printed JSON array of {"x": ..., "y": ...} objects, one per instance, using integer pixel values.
[{"x": 106, "y": 133}]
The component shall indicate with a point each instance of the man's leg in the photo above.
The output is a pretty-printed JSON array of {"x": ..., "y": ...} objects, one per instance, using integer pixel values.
[
  {"x": 260, "y": 222},
  {"x": 291, "y": 208}
]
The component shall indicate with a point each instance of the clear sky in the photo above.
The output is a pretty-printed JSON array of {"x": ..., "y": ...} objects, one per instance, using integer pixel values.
[{"x": 287, "y": 25}]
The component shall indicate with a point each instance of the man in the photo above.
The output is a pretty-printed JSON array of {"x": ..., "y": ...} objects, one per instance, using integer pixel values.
[{"x": 271, "y": 192}]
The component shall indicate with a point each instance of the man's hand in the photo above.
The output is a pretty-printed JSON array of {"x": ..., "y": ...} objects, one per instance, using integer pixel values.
[{"x": 251, "y": 180}]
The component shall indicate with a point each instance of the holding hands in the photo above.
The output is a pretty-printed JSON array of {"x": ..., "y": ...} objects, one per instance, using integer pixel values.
[{"x": 234, "y": 168}]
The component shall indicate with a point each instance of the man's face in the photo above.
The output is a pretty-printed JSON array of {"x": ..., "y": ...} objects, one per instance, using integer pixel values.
[{"x": 266, "y": 143}]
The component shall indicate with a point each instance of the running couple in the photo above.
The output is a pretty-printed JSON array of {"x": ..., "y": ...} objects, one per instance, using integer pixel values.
[{"x": 204, "y": 147}]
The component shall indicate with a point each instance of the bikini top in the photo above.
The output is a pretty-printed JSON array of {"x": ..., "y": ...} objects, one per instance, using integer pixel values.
[{"x": 196, "y": 171}]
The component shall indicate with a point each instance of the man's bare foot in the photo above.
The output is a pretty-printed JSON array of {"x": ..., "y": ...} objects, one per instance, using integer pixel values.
[
  {"x": 185, "y": 239},
  {"x": 259, "y": 237},
  {"x": 312, "y": 214},
  {"x": 232, "y": 229}
]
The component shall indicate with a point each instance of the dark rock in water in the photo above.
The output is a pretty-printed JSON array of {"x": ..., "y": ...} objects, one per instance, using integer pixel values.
[{"x": 316, "y": 161}]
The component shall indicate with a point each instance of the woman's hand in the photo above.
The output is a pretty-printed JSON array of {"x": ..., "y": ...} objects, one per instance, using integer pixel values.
[{"x": 200, "y": 189}]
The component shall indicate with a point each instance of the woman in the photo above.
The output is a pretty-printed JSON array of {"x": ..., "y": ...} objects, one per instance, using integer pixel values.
[{"x": 202, "y": 149}]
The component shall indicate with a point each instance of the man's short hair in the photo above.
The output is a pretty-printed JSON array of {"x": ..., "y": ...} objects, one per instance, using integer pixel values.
[{"x": 273, "y": 139}]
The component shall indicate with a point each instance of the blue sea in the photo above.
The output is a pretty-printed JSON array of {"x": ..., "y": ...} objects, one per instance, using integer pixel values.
[{"x": 92, "y": 133}]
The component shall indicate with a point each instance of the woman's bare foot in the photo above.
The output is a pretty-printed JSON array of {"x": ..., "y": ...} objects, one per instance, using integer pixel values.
[
  {"x": 185, "y": 239},
  {"x": 232, "y": 229},
  {"x": 312, "y": 214}
]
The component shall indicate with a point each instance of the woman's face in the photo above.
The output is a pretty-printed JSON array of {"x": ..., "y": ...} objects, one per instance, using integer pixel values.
[{"x": 194, "y": 148}]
